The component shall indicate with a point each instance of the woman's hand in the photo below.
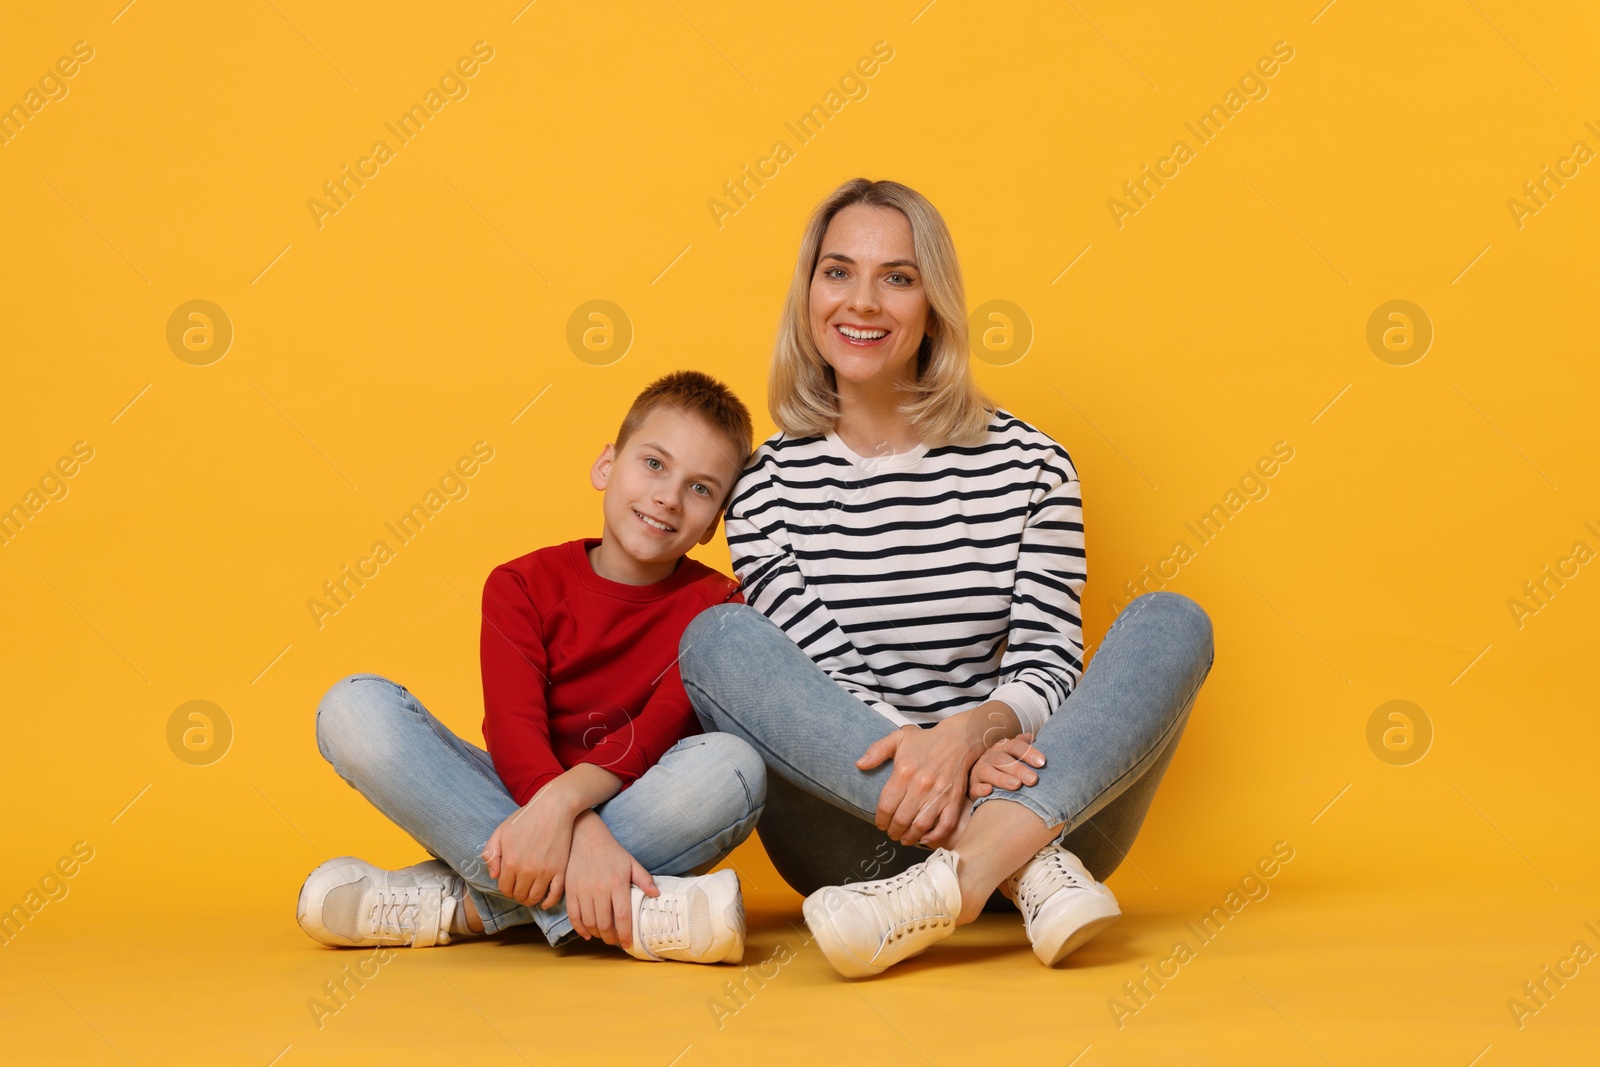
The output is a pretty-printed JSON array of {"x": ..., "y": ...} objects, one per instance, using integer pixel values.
[
  {"x": 925, "y": 799},
  {"x": 527, "y": 854},
  {"x": 1006, "y": 764},
  {"x": 600, "y": 874},
  {"x": 927, "y": 792}
]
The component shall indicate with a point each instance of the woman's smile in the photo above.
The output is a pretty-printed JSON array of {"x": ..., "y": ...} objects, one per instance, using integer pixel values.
[{"x": 862, "y": 336}]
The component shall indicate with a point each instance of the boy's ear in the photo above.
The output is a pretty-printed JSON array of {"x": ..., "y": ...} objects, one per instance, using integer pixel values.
[
  {"x": 600, "y": 473},
  {"x": 711, "y": 530}
]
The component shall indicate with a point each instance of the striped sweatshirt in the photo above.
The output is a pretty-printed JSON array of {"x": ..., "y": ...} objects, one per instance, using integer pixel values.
[{"x": 923, "y": 582}]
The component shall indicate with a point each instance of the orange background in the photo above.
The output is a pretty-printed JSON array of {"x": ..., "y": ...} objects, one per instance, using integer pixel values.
[{"x": 1168, "y": 355}]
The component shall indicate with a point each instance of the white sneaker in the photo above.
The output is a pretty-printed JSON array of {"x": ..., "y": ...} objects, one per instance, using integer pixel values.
[
  {"x": 1062, "y": 905},
  {"x": 696, "y": 919},
  {"x": 866, "y": 927},
  {"x": 348, "y": 901}
]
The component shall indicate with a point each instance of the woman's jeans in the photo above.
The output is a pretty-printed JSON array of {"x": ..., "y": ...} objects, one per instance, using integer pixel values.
[
  {"x": 1106, "y": 747},
  {"x": 680, "y": 817}
]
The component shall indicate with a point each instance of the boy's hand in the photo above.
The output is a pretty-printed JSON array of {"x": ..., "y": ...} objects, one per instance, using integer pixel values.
[
  {"x": 527, "y": 854},
  {"x": 600, "y": 874},
  {"x": 1007, "y": 764}
]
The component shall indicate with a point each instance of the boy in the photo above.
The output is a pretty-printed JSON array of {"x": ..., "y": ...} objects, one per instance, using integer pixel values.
[{"x": 598, "y": 796}]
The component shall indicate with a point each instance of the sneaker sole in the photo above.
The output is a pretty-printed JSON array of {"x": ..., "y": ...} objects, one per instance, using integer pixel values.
[
  {"x": 733, "y": 912},
  {"x": 1085, "y": 922},
  {"x": 736, "y": 920},
  {"x": 827, "y": 938}
]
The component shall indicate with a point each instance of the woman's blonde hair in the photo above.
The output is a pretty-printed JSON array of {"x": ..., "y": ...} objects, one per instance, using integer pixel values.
[{"x": 945, "y": 405}]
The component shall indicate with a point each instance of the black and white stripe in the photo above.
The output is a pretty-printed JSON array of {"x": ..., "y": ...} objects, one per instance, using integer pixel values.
[{"x": 924, "y": 582}]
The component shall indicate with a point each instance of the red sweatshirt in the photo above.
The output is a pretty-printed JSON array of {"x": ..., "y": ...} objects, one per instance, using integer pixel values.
[{"x": 580, "y": 669}]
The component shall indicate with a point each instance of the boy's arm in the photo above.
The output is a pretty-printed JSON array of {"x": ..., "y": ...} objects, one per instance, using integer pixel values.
[
  {"x": 528, "y": 854},
  {"x": 585, "y": 785},
  {"x": 516, "y": 720}
]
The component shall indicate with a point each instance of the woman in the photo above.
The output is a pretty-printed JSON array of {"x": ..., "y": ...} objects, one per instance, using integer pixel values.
[{"x": 913, "y": 567}]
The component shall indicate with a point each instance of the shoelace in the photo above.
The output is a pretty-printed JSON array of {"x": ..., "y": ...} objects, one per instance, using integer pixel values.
[
  {"x": 663, "y": 922},
  {"x": 905, "y": 903},
  {"x": 1052, "y": 874},
  {"x": 394, "y": 911}
]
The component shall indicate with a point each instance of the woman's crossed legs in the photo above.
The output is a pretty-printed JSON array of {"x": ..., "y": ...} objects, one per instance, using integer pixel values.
[{"x": 1106, "y": 749}]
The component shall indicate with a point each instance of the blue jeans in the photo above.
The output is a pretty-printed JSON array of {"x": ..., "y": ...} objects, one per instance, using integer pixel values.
[
  {"x": 680, "y": 817},
  {"x": 1106, "y": 747}
]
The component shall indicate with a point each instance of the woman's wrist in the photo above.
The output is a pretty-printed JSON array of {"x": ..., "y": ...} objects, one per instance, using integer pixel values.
[
  {"x": 970, "y": 727},
  {"x": 990, "y": 723}
]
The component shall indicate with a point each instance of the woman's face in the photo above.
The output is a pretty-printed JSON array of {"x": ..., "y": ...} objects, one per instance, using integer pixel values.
[{"x": 868, "y": 310}]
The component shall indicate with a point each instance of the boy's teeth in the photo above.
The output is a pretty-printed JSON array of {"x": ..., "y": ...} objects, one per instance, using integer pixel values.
[{"x": 649, "y": 521}]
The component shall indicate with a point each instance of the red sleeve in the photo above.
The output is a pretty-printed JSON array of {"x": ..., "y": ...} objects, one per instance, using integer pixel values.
[
  {"x": 516, "y": 722},
  {"x": 666, "y": 718}
]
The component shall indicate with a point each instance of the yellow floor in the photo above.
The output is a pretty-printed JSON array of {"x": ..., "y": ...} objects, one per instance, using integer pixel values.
[{"x": 1306, "y": 975}]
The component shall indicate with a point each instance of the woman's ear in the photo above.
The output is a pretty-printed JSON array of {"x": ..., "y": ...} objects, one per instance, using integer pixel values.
[{"x": 600, "y": 473}]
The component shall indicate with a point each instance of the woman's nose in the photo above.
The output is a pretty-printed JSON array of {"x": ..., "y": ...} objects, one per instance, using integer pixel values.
[{"x": 863, "y": 297}]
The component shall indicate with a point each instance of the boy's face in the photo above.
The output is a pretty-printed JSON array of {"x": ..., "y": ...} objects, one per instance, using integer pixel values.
[{"x": 664, "y": 489}]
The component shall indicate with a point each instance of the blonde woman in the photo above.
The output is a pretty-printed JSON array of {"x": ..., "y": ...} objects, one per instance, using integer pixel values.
[{"x": 911, "y": 648}]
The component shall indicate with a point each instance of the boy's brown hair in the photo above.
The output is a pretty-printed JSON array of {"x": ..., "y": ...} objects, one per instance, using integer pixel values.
[{"x": 693, "y": 392}]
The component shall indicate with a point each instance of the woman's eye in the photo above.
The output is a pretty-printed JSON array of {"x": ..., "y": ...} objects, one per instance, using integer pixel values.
[
  {"x": 902, "y": 277},
  {"x": 828, "y": 272}
]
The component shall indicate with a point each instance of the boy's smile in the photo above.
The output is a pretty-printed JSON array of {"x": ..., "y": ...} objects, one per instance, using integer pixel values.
[{"x": 664, "y": 492}]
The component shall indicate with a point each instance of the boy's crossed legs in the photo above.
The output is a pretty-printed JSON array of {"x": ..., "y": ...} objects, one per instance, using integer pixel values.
[{"x": 681, "y": 816}]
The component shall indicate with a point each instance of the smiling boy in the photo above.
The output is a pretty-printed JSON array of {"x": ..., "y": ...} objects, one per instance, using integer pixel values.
[{"x": 598, "y": 796}]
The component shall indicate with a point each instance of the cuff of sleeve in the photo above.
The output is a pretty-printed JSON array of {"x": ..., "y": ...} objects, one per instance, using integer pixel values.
[
  {"x": 890, "y": 712},
  {"x": 531, "y": 789},
  {"x": 1031, "y": 709}
]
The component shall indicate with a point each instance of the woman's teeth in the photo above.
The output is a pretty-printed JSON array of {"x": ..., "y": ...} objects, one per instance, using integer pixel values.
[{"x": 863, "y": 335}]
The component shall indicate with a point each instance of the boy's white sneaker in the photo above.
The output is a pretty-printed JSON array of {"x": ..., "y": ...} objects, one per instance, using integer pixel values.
[
  {"x": 348, "y": 901},
  {"x": 866, "y": 927},
  {"x": 1062, "y": 905},
  {"x": 695, "y": 919}
]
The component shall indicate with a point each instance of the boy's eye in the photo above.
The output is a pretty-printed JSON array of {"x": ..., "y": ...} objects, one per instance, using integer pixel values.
[
  {"x": 702, "y": 488},
  {"x": 652, "y": 462}
]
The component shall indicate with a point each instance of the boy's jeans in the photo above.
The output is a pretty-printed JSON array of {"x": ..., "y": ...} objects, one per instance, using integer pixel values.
[
  {"x": 680, "y": 817},
  {"x": 1105, "y": 748}
]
